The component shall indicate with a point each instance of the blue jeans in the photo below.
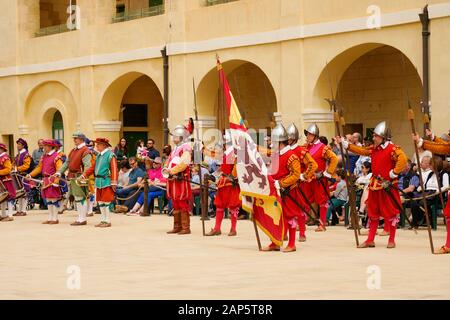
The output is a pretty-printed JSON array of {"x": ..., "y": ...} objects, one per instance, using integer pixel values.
[{"x": 151, "y": 195}]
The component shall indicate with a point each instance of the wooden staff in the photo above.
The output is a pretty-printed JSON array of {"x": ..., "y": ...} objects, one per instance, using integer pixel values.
[
  {"x": 333, "y": 107},
  {"x": 422, "y": 185},
  {"x": 197, "y": 154},
  {"x": 258, "y": 240},
  {"x": 426, "y": 123},
  {"x": 352, "y": 192}
]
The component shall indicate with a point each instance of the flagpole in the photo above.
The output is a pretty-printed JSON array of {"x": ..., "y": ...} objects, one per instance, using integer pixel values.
[{"x": 258, "y": 240}]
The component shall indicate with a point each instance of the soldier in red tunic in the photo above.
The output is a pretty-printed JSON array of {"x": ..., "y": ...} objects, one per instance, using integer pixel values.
[
  {"x": 316, "y": 189},
  {"x": 178, "y": 176},
  {"x": 286, "y": 181},
  {"x": 388, "y": 161},
  {"x": 308, "y": 168},
  {"x": 5, "y": 178},
  {"x": 228, "y": 190}
]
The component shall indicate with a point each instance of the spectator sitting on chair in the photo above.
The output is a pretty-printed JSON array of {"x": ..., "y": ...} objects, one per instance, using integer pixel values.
[
  {"x": 363, "y": 183},
  {"x": 152, "y": 153},
  {"x": 135, "y": 177},
  {"x": 431, "y": 186},
  {"x": 408, "y": 181},
  {"x": 339, "y": 196},
  {"x": 121, "y": 150},
  {"x": 124, "y": 173},
  {"x": 155, "y": 180}
]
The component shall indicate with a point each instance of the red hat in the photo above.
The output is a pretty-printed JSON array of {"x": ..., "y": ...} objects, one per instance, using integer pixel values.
[
  {"x": 49, "y": 142},
  {"x": 3, "y": 146},
  {"x": 102, "y": 140}
]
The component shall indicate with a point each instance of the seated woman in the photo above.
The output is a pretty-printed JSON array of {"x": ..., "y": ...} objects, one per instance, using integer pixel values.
[
  {"x": 155, "y": 181},
  {"x": 363, "y": 184}
]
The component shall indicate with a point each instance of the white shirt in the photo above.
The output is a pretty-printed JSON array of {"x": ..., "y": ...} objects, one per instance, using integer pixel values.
[
  {"x": 81, "y": 145},
  {"x": 365, "y": 180},
  {"x": 432, "y": 183},
  {"x": 51, "y": 152},
  {"x": 23, "y": 151},
  {"x": 284, "y": 150}
]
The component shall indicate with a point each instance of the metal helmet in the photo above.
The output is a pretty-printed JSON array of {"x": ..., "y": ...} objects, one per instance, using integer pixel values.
[
  {"x": 180, "y": 131},
  {"x": 279, "y": 133},
  {"x": 292, "y": 132},
  {"x": 382, "y": 130},
  {"x": 312, "y": 129}
]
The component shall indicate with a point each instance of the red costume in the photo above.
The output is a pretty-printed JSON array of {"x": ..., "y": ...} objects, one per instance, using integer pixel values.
[
  {"x": 314, "y": 189},
  {"x": 308, "y": 167},
  {"x": 179, "y": 188},
  {"x": 5, "y": 178},
  {"x": 388, "y": 160},
  {"x": 287, "y": 177},
  {"x": 228, "y": 192}
]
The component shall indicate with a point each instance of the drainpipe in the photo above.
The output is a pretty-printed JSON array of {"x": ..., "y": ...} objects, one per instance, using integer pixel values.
[
  {"x": 166, "y": 94},
  {"x": 425, "y": 19}
]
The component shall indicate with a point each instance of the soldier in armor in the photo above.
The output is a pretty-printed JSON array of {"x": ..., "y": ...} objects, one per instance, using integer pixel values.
[
  {"x": 388, "y": 161},
  {"x": 286, "y": 181},
  {"x": 177, "y": 174},
  {"x": 308, "y": 169},
  {"x": 228, "y": 190},
  {"x": 326, "y": 159}
]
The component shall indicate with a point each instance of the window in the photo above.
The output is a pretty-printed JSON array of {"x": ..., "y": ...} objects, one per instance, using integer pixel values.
[
  {"x": 136, "y": 9},
  {"x": 58, "y": 127},
  {"x": 54, "y": 17}
]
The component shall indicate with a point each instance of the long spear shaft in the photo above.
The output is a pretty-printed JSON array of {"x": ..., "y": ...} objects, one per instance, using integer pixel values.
[
  {"x": 198, "y": 159},
  {"x": 416, "y": 149},
  {"x": 333, "y": 107}
]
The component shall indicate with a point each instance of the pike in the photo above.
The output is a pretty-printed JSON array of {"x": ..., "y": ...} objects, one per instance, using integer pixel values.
[
  {"x": 333, "y": 107},
  {"x": 416, "y": 149},
  {"x": 426, "y": 123},
  {"x": 198, "y": 159}
]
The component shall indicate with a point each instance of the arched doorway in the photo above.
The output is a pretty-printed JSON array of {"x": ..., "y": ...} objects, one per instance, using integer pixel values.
[
  {"x": 372, "y": 83},
  {"x": 136, "y": 103},
  {"x": 58, "y": 127},
  {"x": 251, "y": 88}
]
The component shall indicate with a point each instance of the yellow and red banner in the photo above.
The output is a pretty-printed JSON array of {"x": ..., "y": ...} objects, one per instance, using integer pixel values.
[{"x": 259, "y": 196}]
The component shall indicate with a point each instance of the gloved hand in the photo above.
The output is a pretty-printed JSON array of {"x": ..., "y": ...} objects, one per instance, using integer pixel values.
[{"x": 392, "y": 175}]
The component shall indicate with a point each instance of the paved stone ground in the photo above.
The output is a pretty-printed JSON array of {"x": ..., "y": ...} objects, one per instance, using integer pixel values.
[{"x": 135, "y": 259}]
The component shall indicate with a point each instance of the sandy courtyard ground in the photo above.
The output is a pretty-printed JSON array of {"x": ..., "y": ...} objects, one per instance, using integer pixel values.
[{"x": 135, "y": 259}]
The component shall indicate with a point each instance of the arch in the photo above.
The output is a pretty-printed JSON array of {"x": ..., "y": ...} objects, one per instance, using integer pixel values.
[
  {"x": 114, "y": 91},
  {"x": 251, "y": 88},
  {"x": 134, "y": 88},
  {"x": 372, "y": 83},
  {"x": 40, "y": 106},
  {"x": 335, "y": 69}
]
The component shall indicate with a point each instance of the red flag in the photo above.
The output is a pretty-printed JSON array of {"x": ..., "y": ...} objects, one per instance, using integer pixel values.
[{"x": 259, "y": 196}]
